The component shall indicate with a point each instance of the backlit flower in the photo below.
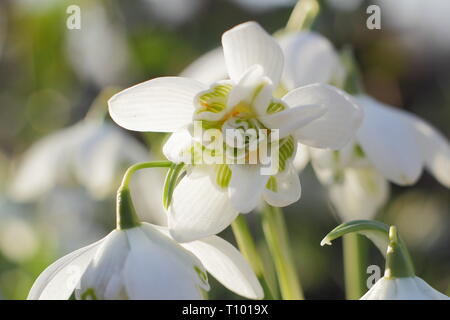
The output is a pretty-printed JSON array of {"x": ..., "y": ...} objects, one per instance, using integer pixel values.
[{"x": 209, "y": 198}]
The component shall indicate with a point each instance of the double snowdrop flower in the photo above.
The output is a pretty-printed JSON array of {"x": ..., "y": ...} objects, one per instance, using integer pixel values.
[
  {"x": 210, "y": 197},
  {"x": 144, "y": 262},
  {"x": 399, "y": 281}
]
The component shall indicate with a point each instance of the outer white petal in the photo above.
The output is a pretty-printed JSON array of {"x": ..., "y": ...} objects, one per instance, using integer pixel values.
[
  {"x": 410, "y": 288},
  {"x": 162, "y": 104},
  {"x": 310, "y": 58},
  {"x": 290, "y": 120},
  {"x": 434, "y": 147},
  {"x": 337, "y": 127},
  {"x": 158, "y": 268},
  {"x": 227, "y": 265},
  {"x": 199, "y": 209},
  {"x": 248, "y": 44},
  {"x": 246, "y": 187},
  {"x": 380, "y": 290},
  {"x": 209, "y": 68},
  {"x": 360, "y": 194},
  {"x": 429, "y": 291},
  {"x": 389, "y": 142},
  {"x": 289, "y": 188},
  {"x": 59, "y": 280},
  {"x": 107, "y": 263}
]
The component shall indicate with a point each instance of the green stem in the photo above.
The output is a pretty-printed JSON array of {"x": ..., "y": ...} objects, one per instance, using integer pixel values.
[
  {"x": 354, "y": 253},
  {"x": 277, "y": 239},
  {"x": 126, "y": 214},
  {"x": 247, "y": 247}
]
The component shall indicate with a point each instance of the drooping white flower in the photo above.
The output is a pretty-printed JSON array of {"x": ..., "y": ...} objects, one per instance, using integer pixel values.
[
  {"x": 209, "y": 198},
  {"x": 355, "y": 188},
  {"x": 411, "y": 288},
  {"x": 400, "y": 145},
  {"x": 91, "y": 151},
  {"x": 91, "y": 61},
  {"x": 144, "y": 262}
]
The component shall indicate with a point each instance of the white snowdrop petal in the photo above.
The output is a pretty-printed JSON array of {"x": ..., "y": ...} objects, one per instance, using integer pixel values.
[
  {"x": 389, "y": 142},
  {"x": 434, "y": 147},
  {"x": 288, "y": 188},
  {"x": 162, "y": 104},
  {"x": 292, "y": 119},
  {"x": 107, "y": 262},
  {"x": 199, "y": 209},
  {"x": 175, "y": 147},
  {"x": 429, "y": 291},
  {"x": 157, "y": 268},
  {"x": 59, "y": 280},
  {"x": 248, "y": 44},
  {"x": 246, "y": 186},
  {"x": 360, "y": 194},
  {"x": 408, "y": 288},
  {"x": 310, "y": 58},
  {"x": 337, "y": 126},
  {"x": 225, "y": 263}
]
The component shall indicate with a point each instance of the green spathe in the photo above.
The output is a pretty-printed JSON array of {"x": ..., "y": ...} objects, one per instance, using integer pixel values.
[{"x": 398, "y": 261}]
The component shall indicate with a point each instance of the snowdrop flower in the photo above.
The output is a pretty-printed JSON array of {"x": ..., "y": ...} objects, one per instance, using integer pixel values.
[
  {"x": 90, "y": 60},
  {"x": 142, "y": 261},
  {"x": 91, "y": 151},
  {"x": 210, "y": 197},
  {"x": 399, "y": 281},
  {"x": 145, "y": 263},
  {"x": 355, "y": 188},
  {"x": 398, "y": 284},
  {"x": 410, "y": 288},
  {"x": 400, "y": 145},
  {"x": 391, "y": 145}
]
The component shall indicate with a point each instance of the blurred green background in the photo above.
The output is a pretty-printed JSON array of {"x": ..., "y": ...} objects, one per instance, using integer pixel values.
[{"x": 50, "y": 76}]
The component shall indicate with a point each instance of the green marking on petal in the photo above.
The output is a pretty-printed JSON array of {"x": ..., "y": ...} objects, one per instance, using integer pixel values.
[
  {"x": 272, "y": 184},
  {"x": 201, "y": 274},
  {"x": 89, "y": 294},
  {"x": 275, "y": 107},
  {"x": 286, "y": 151},
  {"x": 215, "y": 100},
  {"x": 358, "y": 151},
  {"x": 223, "y": 176}
]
